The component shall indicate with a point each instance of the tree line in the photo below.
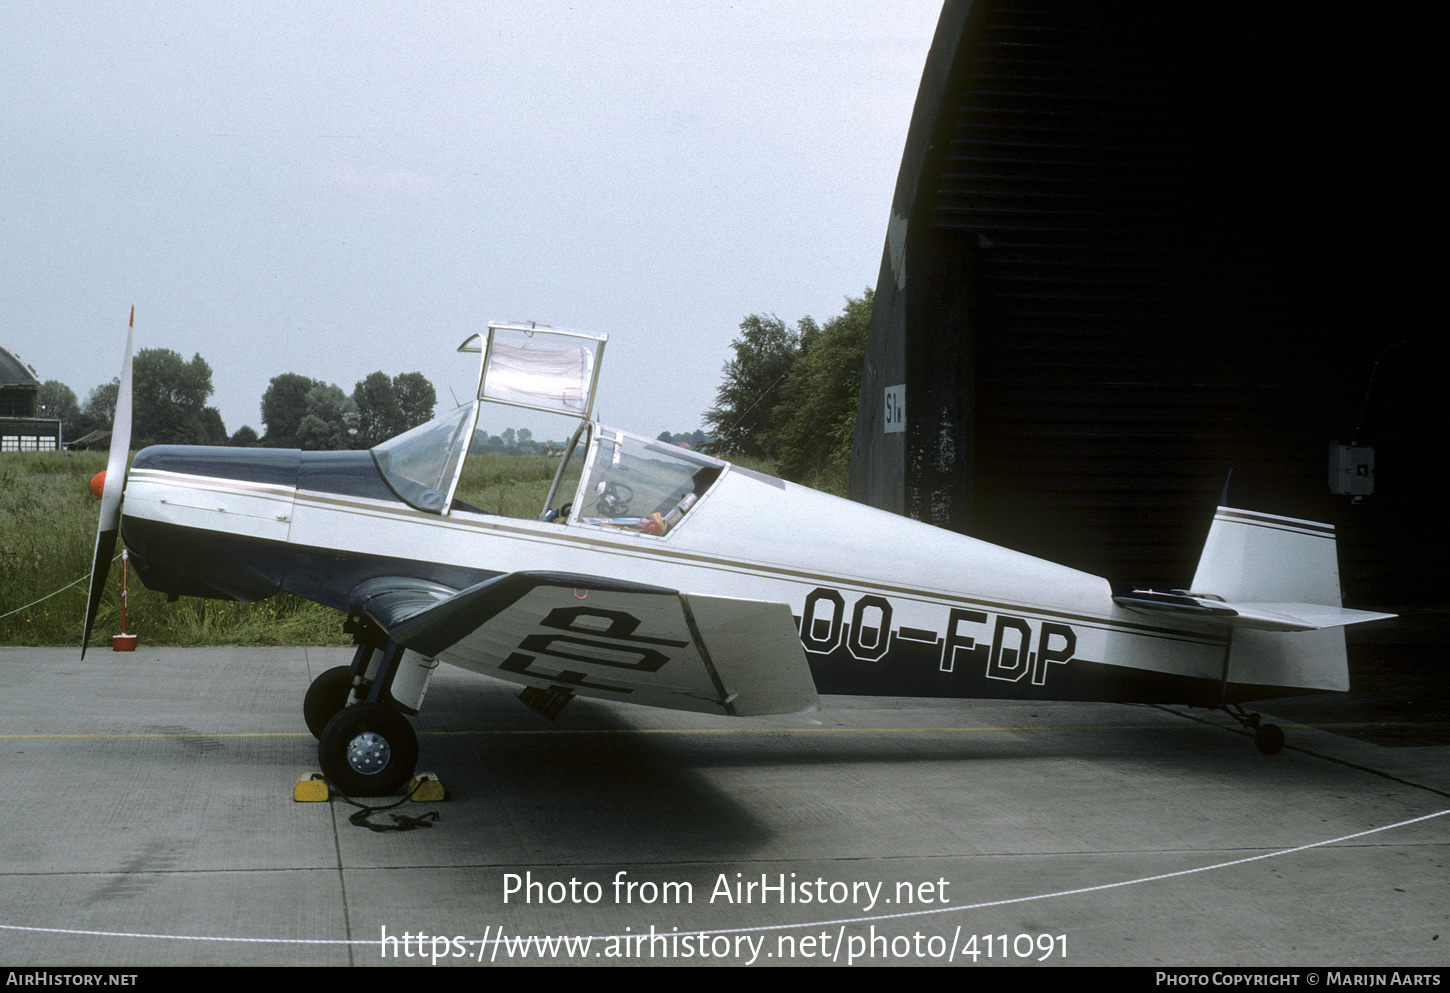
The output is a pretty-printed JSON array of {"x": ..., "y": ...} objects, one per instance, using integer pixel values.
[
  {"x": 169, "y": 402},
  {"x": 317, "y": 416},
  {"x": 789, "y": 396},
  {"x": 688, "y": 439},
  {"x": 170, "y": 394}
]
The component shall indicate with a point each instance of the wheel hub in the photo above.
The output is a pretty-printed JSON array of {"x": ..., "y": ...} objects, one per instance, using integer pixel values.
[{"x": 368, "y": 753}]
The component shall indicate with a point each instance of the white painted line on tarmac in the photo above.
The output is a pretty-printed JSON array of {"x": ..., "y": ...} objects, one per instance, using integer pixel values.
[{"x": 785, "y": 927}]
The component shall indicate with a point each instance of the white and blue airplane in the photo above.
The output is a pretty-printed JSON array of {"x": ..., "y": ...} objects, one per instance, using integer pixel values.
[{"x": 661, "y": 576}]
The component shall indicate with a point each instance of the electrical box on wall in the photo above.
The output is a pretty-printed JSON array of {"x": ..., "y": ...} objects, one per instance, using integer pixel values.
[{"x": 1351, "y": 470}]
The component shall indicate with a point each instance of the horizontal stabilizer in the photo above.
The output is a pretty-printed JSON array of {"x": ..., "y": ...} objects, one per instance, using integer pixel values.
[
  {"x": 1274, "y": 581},
  {"x": 1260, "y": 616},
  {"x": 1300, "y": 616}
]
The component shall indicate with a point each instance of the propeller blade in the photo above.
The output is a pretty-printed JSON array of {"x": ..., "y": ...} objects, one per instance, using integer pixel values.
[{"x": 110, "y": 522}]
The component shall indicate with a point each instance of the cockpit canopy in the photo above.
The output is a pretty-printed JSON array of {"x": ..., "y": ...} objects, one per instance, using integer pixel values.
[
  {"x": 538, "y": 368},
  {"x": 638, "y": 485},
  {"x": 421, "y": 465},
  {"x": 605, "y": 478}
]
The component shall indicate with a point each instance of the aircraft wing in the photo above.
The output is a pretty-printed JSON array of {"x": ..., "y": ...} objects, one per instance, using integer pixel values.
[
  {"x": 1260, "y": 616},
  {"x": 604, "y": 638}
]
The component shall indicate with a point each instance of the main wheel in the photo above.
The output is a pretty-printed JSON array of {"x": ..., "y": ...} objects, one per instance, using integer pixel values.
[
  {"x": 326, "y": 697},
  {"x": 368, "y": 750},
  {"x": 1269, "y": 739}
]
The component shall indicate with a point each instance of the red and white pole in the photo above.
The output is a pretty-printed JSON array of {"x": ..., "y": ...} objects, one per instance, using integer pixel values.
[{"x": 123, "y": 642}]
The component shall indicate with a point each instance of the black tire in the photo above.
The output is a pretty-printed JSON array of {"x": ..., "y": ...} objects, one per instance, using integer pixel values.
[
  {"x": 326, "y": 697},
  {"x": 368, "y": 750},
  {"x": 1269, "y": 739}
]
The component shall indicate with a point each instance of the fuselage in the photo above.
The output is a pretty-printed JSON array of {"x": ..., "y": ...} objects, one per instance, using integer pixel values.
[{"x": 884, "y": 604}]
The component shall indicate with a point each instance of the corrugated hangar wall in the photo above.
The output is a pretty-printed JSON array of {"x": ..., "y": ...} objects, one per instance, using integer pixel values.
[{"x": 1130, "y": 251}]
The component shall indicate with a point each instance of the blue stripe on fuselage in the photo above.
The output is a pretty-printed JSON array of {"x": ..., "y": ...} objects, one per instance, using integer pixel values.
[{"x": 344, "y": 473}]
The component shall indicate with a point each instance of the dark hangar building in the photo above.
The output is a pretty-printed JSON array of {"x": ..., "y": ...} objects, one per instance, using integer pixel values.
[{"x": 1136, "y": 245}]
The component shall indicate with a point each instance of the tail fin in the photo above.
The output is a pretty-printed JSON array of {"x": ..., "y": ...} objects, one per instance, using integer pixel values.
[
  {"x": 1275, "y": 581},
  {"x": 1281, "y": 576},
  {"x": 1263, "y": 558}
]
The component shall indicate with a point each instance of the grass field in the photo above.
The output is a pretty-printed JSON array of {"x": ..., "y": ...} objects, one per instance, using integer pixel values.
[
  {"x": 512, "y": 485},
  {"x": 47, "y": 535},
  {"x": 48, "y": 532}
]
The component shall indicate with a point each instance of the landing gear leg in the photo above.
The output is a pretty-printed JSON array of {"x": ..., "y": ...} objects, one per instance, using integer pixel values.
[
  {"x": 1268, "y": 738},
  {"x": 367, "y": 749},
  {"x": 332, "y": 691},
  {"x": 326, "y": 697}
]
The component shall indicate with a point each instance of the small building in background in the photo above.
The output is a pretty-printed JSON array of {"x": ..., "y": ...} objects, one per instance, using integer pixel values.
[{"x": 23, "y": 427}]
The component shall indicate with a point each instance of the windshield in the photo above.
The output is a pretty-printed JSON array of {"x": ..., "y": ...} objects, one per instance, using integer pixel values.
[
  {"x": 420, "y": 464},
  {"x": 646, "y": 487},
  {"x": 626, "y": 483}
]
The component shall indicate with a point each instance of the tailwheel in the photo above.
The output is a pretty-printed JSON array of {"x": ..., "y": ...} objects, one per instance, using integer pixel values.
[
  {"x": 326, "y": 698},
  {"x": 1269, "y": 739},
  {"x": 368, "y": 750}
]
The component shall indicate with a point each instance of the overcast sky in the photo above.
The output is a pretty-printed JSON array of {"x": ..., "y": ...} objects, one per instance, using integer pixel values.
[{"x": 334, "y": 188}]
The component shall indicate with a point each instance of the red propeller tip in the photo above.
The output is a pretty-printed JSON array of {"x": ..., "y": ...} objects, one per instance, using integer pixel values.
[{"x": 98, "y": 483}]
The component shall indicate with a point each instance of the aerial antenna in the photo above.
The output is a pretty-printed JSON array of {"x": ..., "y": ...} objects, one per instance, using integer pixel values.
[
  {"x": 1364, "y": 406},
  {"x": 762, "y": 396}
]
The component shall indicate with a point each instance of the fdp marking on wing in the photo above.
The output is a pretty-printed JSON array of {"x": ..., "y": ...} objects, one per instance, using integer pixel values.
[{"x": 778, "y": 888}]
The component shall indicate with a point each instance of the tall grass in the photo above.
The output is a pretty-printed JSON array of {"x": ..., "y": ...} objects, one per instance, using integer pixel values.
[
  {"x": 47, "y": 535},
  {"x": 512, "y": 485}
]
